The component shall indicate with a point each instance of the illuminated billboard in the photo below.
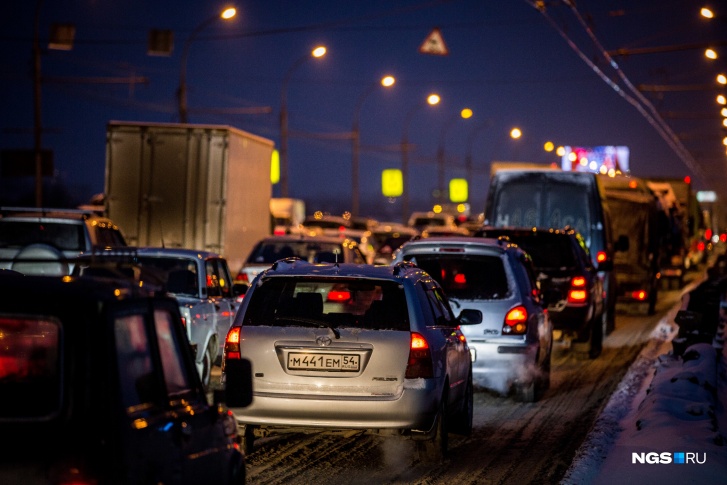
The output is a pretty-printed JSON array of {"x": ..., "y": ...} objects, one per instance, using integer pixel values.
[{"x": 602, "y": 159}]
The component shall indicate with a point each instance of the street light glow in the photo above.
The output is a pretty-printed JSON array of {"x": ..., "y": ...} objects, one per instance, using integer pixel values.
[
  {"x": 721, "y": 78},
  {"x": 516, "y": 133},
  {"x": 319, "y": 51},
  {"x": 723, "y": 112},
  {"x": 721, "y": 99},
  {"x": 560, "y": 151},
  {"x": 706, "y": 13},
  {"x": 433, "y": 99},
  {"x": 466, "y": 113},
  {"x": 388, "y": 81},
  {"x": 548, "y": 146},
  {"x": 710, "y": 54},
  {"x": 228, "y": 13}
]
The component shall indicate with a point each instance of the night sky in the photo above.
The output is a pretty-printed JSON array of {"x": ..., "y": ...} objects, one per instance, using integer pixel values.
[{"x": 510, "y": 63}]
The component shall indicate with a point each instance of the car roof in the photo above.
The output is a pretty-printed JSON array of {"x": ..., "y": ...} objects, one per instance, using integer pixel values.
[
  {"x": 176, "y": 253},
  {"x": 465, "y": 241},
  {"x": 304, "y": 238},
  {"x": 299, "y": 267},
  {"x": 25, "y": 213}
]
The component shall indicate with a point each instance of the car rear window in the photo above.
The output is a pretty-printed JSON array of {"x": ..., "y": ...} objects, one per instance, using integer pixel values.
[
  {"x": 334, "y": 302},
  {"x": 269, "y": 252},
  {"x": 466, "y": 277},
  {"x": 30, "y": 367},
  {"x": 547, "y": 251},
  {"x": 65, "y": 237}
]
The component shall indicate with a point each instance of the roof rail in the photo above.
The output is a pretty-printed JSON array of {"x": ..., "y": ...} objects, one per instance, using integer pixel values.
[
  {"x": 291, "y": 260},
  {"x": 401, "y": 265},
  {"x": 46, "y": 210}
]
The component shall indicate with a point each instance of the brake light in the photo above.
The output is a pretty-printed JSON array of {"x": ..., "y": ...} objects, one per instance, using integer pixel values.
[
  {"x": 242, "y": 276},
  {"x": 338, "y": 295},
  {"x": 232, "y": 344},
  {"x": 515, "y": 321},
  {"x": 578, "y": 282},
  {"x": 460, "y": 279},
  {"x": 420, "y": 358},
  {"x": 601, "y": 256},
  {"x": 640, "y": 295}
]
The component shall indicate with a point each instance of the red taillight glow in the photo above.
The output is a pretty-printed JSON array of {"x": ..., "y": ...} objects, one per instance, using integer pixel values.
[
  {"x": 700, "y": 246},
  {"x": 601, "y": 256},
  {"x": 419, "y": 364},
  {"x": 279, "y": 231},
  {"x": 338, "y": 295},
  {"x": 577, "y": 296},
  {"x": 516, "y": 321},
  {"x": 232, "y": 343},
  {"x": 460, "y": 279},
  {"x": 640, "y": 295},
  {"x": 241, "y": 276},
  {"x": 578, "y": 282}
]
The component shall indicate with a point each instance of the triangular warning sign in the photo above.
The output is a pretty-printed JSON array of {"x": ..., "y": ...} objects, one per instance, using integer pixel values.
[{"x": 434, "y": 44}]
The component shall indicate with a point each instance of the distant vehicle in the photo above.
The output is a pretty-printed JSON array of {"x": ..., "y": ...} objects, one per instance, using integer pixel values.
[
  {"x": 355, "y": 347},
  {"x": 199, "y": 280},
  {"x": 442, "y": 231},
  {"x": 565, "y": 273},
  {"x": 362, "y": 223},
  {"x": 512, "y": 345},
  {"x": 638, "y": 228},
  {"x": 421, "y": 220},
  {"x": 189, "y": 186},
  {"x": 288, "y": 214},
  {"x": 45, "y": 241},
  {"x": 314, "y": 249},
  {"x": 326, "y": 225},
  {"x": 387, "y": 237},
  {"x": 556, "y": 199},
  {"x": 102, "y": 373}
]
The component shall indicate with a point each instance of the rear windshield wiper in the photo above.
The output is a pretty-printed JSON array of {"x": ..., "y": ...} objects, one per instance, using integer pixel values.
[{"x": 311, "y": 323}]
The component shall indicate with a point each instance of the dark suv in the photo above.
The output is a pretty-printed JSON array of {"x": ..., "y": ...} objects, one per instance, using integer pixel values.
[
  {"x": 99, "y": 385},
  {"x": 566, "y": 274}
]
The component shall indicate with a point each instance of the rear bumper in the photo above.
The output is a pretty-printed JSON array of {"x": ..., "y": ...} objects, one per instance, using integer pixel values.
[
  {"x": 501, "y": 363},
  {"x": 414, "y": 409}
]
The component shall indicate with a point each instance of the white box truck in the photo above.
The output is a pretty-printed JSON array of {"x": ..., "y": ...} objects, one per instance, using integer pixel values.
[{"x": 201, "y": 187}]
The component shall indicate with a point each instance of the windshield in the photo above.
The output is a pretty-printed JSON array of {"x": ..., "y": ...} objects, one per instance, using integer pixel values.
[
  {"x": 179, "y": 275},
  {"x": 65, "y": 237},
  {"x": 268, "y": 252},
  {"x": 329, "y": 302},
  {"x": 466, "y": 277},
  {"x": 548, "y": 251}
]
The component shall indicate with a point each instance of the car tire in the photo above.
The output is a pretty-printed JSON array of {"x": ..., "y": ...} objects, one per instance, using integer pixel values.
[
  {"x": 526, "y": 392},
  {"x": 462, "y": 421},
  {"x": 237, "y": 469},
  {"x": 248, "y": 438},
  {"x": 591, "y": 348},
  {"x": 205, "y": 368},
  {"x": 436, "y": 447}
]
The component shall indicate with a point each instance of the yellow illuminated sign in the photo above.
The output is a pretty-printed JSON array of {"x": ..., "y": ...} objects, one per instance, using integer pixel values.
[
  {"x": 458, "y": 190},
  {"x": 275, "y": 167},
  {"x": 392, "y": 182}
]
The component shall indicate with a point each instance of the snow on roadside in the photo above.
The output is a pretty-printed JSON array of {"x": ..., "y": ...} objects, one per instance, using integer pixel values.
[{"x": 664, "y": 405}]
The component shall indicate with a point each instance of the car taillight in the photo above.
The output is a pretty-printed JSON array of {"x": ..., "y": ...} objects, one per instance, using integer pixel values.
[
  {"x": 335, "y": 295},
  {"x": 242, "y": 276},
  {"x": 232, "y": 344},
  {"x": 578, "y": 293},
  {"x": 639, "y": 295},
  {"x": 420, "y": 358},
  {"x": 516, "y": 321},
  {"x": 601, "y": 256}
]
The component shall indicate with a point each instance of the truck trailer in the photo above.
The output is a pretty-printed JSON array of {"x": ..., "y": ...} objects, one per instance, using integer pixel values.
[{"x": 203, "y": 187}]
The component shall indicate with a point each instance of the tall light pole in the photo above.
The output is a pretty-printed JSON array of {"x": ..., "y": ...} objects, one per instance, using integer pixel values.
[
  {"x": 468, "y": 157},
  {"x": 466, "y": 113},
  {"x": 432, "y": 100},
  {"x": 316, "y": 53},
  {"x": 387, "y": 82},
  {"x": 226, "y": 14}
]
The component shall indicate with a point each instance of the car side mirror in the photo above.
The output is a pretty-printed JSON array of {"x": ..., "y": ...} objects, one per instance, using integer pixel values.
[
  {"x": 470, "y": 317},
  {"x": 238, "y": 383},
  {"x": 622, "y": 244}
]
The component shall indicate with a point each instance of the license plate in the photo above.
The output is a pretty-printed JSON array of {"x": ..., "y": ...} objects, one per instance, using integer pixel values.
[{"x": 326, "y": 362}]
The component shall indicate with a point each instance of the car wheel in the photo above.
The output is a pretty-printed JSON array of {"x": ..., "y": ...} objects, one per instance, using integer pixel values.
[
  {"x": 237, "y": 470},
  {"x": 462, "y": 422},
  {"x": 205, "y": 368},
  {"x": 248, "y": 438},
  {"x": 437, "y": 446},
  {"x": 525, "y": 392}
]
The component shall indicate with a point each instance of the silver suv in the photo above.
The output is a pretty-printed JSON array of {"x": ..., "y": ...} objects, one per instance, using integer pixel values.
[
  {"x": 353, "y": 346},
  {"x": 44, "y": 241}
]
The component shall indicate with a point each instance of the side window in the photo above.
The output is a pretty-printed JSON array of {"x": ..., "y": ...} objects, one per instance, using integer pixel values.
[
  {"x": 534, "y": 287},
  {"x": 170, "y": 351},
  {"x": 224, "y": 280},
  {"x": 134, "y": 361},
  {"x": 444, "y": 305},
  {"x": 438, "y": 307},
  {"x": 213, "y": 280}
]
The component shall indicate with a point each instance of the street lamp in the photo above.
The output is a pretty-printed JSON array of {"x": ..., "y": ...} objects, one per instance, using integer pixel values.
[
  {"x": 432, "y": 100},
  {"x": 466, "y": 113},
  {"x": 226, "y": 14},
  {"x": 387, "y": 82},
  {"x": 316, "y": 53}
]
